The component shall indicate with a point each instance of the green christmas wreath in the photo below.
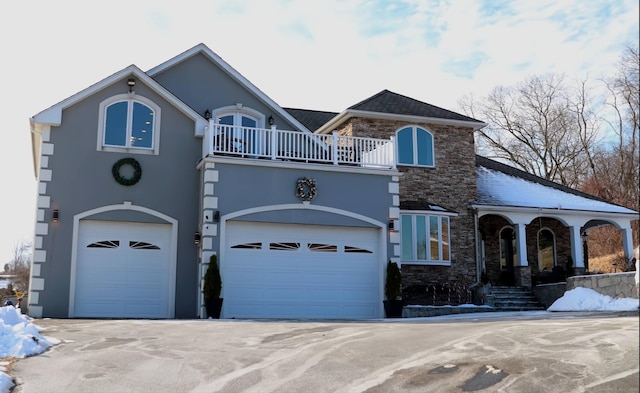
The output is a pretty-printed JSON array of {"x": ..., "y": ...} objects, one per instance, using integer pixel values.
[{"x": 137, "y": 171}]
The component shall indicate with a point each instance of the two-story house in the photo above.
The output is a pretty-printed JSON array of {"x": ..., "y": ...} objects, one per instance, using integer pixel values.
[{"x": 144, "y": 175}]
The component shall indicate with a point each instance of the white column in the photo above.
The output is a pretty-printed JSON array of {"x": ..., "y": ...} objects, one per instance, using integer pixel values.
[
  {"x": 521, "y": 237},
  {"x": 274, "y": 142},
  {"x": 627, "y": 243},
  {"x": 576, "y": 246}
]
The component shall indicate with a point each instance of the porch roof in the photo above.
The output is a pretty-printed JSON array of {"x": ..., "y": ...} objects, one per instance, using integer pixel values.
[{"x": 502, "y": 185}]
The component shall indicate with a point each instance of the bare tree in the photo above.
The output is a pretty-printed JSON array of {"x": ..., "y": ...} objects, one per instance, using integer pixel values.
[
  {"x": 541, "y": 126},
  {"x": 19, "y": 266},
  {"x": 616, "y": 175}
]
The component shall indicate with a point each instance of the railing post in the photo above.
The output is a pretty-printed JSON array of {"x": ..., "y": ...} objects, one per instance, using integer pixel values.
[
  {"x": 393, "y": 153},
  {"x": 207, "y": 140},
  {"x": 274, "y": 142},
  {"x": 334, "y": 147}
]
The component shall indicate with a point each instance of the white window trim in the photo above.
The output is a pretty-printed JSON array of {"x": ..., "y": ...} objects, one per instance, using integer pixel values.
[
  {"x": 415, "y": 145},
  {"x": 413, "y": 229},
  {"x": 239, "y": 109},
  {"x": 555, "y": 256},
  {"x": 154, "y": 150}
]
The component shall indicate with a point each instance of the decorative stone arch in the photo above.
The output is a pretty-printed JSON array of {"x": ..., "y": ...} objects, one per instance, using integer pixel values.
[{"x": 554, "y": 259}]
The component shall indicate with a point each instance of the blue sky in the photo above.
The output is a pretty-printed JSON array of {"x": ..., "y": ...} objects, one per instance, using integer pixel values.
[{"x": 317, "y": 55}]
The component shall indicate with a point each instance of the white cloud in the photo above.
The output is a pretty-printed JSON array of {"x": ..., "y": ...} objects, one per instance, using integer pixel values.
[{"x": 326, "y": 56}]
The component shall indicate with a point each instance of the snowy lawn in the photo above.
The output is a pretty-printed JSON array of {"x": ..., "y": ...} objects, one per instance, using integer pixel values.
[{"x": 20, "y": 338}]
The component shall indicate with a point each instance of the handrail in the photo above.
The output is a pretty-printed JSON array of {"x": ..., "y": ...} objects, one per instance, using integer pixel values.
[{"x": 275, "y": 144}]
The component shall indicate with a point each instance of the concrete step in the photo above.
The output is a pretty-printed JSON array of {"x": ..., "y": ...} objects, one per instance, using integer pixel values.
[{"x": 514, "y": 299}]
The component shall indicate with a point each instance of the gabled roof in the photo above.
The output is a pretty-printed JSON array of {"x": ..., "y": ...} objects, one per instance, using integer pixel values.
[
  {"x": 52, "y": 116},
  {"x": 502, "y": 185},
  {"x": 233, "y": 73},
  {"x": 393, "y": 106},
  {"x": 311, "y": 119}
]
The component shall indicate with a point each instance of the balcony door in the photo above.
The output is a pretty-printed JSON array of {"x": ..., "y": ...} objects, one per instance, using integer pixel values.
[{"x": 241, "y": 131}]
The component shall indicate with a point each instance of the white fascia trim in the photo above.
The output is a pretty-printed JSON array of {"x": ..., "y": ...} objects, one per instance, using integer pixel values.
[
  {"x": 593, "y": 214},
  {"x": 53, "y": 115},
  {"x": 297, "y": 165},
  {"x": 349, "y": 113},
  {"x": 429, "y": 213},
  {"x": 202, "y": 48}
]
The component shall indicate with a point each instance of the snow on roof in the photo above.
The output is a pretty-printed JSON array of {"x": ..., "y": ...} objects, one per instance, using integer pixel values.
[{"x": 499, "y": 188}]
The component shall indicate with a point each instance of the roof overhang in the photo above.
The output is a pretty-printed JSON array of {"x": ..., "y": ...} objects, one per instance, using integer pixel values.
[{"x": 351, "y": 113}]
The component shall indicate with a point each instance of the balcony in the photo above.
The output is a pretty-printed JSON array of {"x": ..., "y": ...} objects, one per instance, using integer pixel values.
[{"x": 275, "y": 144}]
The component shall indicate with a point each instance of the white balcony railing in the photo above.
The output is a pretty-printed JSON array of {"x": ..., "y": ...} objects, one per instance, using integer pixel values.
[{"x": 274, "y": 144}]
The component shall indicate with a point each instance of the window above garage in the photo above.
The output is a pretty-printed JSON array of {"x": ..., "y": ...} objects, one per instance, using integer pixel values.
[{"x": 129, "y": 123}]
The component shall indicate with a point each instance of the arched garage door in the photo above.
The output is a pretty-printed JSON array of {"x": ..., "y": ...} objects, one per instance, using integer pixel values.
[
  {"x": 123, "y": 270},
  {"x": 301, "y": 271}
]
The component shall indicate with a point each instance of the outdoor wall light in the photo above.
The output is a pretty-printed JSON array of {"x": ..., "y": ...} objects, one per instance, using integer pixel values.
[
  {"x": 216, "y": 216},
  {"x": 196, "y": 238},
  {"x": 207, "y": 114},
  {"x": 56, "y": 215},
  {"x": 131, "y": 83},
  {"x": 271, "y": 121},
  {"x": 392, "y": 225}
]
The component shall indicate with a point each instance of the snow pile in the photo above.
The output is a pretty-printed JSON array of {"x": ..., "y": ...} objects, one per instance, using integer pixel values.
[
  {"x": 19, "y": 338},
  {"x": 585, "y": 299}
]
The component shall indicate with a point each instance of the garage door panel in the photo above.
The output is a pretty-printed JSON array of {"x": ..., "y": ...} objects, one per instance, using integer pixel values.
[
  {"x": 122, "y": 270},
  {"x": 300, "y": 271}
]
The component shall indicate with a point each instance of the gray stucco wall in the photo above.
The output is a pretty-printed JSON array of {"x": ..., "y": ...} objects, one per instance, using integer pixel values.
[
  {"x": 82, "y": 181},
  {"x": 243, "y": 187},
  {"x": 203, "y": 85}
]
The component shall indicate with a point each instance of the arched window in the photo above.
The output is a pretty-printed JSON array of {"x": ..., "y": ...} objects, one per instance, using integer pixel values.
[
  {"x": 415, "y": 146},
  {"x": 546, "y": 249},
  {"x": 129, "y": 123},
  {"x": 508, "y": 249}
]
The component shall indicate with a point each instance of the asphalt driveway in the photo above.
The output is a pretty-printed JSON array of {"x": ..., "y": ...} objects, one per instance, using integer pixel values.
[{"x": 523, "y": 352}]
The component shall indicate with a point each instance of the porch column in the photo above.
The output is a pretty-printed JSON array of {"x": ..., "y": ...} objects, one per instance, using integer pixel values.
[
  {"x": 627, "y": 243},
  {"x": 521, "y": 237},
  {"x": 576, "y": 247}
]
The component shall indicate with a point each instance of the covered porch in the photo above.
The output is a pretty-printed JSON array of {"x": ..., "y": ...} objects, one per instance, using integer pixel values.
[
  {"x": 528, "y": 227},
  {"x": 525, "y": 247}
]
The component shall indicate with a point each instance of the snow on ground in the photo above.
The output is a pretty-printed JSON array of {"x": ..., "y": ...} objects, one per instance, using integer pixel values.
[
  {"x": 19, "y": 338},
  {"x": 585, "y": 299}
]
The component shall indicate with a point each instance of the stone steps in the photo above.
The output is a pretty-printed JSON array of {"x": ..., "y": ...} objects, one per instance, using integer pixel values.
[{"x": 504, "y": 298}]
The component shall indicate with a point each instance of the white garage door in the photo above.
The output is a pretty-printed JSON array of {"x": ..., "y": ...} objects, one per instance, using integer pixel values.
[
  {"x": 122, "y": 270},
  {"x": 301, "y": 271}
]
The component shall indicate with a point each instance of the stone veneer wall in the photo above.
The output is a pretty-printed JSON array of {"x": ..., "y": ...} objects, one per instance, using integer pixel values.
[
  {"x": 490, "y": 227},
  {"x": 616, "y": 285},
  {"x": 450, "y": 184}
]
